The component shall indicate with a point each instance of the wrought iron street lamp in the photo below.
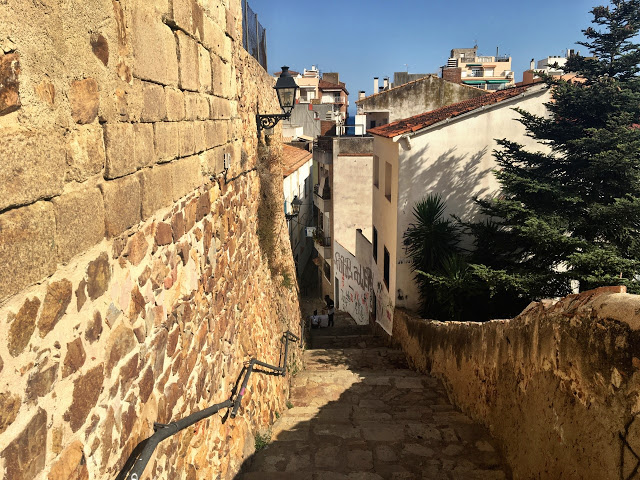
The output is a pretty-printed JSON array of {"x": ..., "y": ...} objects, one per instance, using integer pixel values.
[
  {"x": 286, "y": 88},
  {"x": 295, "y": 208}
]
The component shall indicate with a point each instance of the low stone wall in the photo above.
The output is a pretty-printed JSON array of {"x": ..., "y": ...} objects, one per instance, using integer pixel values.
[{"x": 558, "y": 386}]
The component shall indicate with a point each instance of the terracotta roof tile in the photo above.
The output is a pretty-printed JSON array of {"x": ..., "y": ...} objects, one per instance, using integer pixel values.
[
  {"x": 293, "y": 158},
  {"x": 418, "y": 122}
]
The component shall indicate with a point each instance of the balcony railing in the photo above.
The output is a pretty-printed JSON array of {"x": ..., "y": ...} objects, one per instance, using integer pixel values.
[
  {"x": 481, "y": 74},
  {"x": 325, "y": 194},
  {"x": 321, "y": 239}
]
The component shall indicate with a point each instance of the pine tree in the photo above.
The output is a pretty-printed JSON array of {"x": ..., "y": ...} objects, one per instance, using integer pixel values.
[{"x": 572, "y": 212}]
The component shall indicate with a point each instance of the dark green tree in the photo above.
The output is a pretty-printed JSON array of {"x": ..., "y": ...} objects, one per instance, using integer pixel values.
[{"x": 572, "y": 211}]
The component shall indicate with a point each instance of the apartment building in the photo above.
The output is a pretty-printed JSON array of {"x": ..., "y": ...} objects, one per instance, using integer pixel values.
[
  {"x": 322, "y": 103},
  {"x": 342, "y": 206},
  {"x": 479, "y": 71}
]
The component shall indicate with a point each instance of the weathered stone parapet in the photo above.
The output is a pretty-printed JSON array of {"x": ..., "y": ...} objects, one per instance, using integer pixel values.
[{"x": 559, "y": 385}]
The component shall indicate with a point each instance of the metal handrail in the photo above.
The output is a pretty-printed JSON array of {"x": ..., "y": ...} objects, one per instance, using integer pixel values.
[{"x": 139, "y": 458}]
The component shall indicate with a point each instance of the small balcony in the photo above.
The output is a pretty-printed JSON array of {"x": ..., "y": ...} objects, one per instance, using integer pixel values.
[
  {"x": 322, "y": 198},
  {"x": 322, "y": 244}
]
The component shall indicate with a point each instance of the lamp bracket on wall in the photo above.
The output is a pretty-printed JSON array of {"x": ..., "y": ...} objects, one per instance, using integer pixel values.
[
  {"x": 286, "y": 88},
  {"x": 269, "y": 121}
]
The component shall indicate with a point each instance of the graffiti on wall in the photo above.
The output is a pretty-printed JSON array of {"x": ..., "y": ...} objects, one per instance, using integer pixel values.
[
  {"x": 355, "y": 284},
  {"x": 384, "y": 308}
]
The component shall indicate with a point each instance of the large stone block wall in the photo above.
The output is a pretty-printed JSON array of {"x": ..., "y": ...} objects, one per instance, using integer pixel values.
[
  {"x": 136, "y": 280},
  {"x": 558, "y": 386}
]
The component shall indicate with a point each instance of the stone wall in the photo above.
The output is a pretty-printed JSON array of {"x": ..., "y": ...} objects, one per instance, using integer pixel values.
[
  {"x": 136, "y": 280},
  {"x": 559, "y": 385}
]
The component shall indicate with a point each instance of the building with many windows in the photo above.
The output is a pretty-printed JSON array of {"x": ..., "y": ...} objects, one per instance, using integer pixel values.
[
  {"x": 322, "y": 103},
  {"x": 481, "y": 71},
  {"x": 342, "y": 205}
]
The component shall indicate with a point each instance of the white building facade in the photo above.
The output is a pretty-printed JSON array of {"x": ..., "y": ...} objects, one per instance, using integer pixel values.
[
  {"x": 446, "y": 151},
  {"x": 298, "y": 182}
]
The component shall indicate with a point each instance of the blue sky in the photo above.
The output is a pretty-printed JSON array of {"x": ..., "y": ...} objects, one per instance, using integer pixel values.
[{"x": 365, "y": 39}]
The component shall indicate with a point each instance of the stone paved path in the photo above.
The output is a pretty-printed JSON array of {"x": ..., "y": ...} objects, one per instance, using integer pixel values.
[{"x": 360, "y": 414}]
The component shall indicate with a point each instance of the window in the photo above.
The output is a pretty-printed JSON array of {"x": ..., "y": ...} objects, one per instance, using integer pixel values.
[
  {"x": 327, "y": 270},
  {"x": 387, "y": 181},
  {"x": 488, "y": 72},
  {"x": 376, "y": 171},
  {"x": 374, "y": 304},
  {"x": 386, "y": 267},
  {"x": 375, "y": 245},
  {"x": 372, "y": 124},
  {"x": 476, "y": 72}
]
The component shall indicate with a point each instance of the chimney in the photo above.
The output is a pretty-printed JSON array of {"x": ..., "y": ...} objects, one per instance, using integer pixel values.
[
  {"x": 532, "y": 65},
  {"x": 453, "y": 75},
  {"x": 376, "y": 86},
  {"x": 361, "y": 95},
  {"x": 385, "y": 83}
]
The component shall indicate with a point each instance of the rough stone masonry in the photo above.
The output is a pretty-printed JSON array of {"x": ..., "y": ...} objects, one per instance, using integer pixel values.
[
  {"x": 558, "y": 386},
  {"x": 134, "y": 280}
]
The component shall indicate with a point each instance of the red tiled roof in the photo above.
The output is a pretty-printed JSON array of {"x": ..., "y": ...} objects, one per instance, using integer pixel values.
[
  {"x": 293, "y": 158},
  {"x": 418, "y": 122},
  {"x": 324, "y": 85}
]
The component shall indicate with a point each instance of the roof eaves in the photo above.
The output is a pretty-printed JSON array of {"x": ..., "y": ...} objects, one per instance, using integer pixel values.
[
  {"x": 526, "y": 93},
  {"x": 411, "y": 130}
]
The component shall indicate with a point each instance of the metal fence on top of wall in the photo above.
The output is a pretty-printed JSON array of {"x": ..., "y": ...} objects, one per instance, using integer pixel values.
[{"x": 254, "y": 35}]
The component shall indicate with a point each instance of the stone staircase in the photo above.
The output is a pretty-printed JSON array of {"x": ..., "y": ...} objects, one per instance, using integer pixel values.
[{"x": 359, "y": 413}]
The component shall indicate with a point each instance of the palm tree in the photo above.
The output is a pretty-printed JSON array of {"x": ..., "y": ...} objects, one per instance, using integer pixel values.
[{"x": 430, "y": 239}]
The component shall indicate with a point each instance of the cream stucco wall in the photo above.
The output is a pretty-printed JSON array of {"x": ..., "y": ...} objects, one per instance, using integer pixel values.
[
  {"x": 456, "y": 161},
  {"x": 351, "y": 199},
  {"x": 293, "y": 185},
  {"x": 384, "y": 219}
]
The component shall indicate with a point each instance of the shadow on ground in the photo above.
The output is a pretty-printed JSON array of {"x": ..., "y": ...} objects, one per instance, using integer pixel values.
[{"x": 361, "y": 413}]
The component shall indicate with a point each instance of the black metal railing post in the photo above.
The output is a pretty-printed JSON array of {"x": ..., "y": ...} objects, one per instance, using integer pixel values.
[{"x": 139, "y": 458}]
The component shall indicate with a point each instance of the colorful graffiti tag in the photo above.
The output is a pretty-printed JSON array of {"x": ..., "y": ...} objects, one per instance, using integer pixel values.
[{"x": 355, "y": 283}]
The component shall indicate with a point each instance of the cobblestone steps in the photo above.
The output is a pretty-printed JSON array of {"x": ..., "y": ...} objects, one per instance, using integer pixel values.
[{"x": 361, "y": 414}]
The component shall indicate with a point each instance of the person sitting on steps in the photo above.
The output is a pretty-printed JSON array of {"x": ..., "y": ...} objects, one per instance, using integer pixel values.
[{"x": 330, "y": 309}]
